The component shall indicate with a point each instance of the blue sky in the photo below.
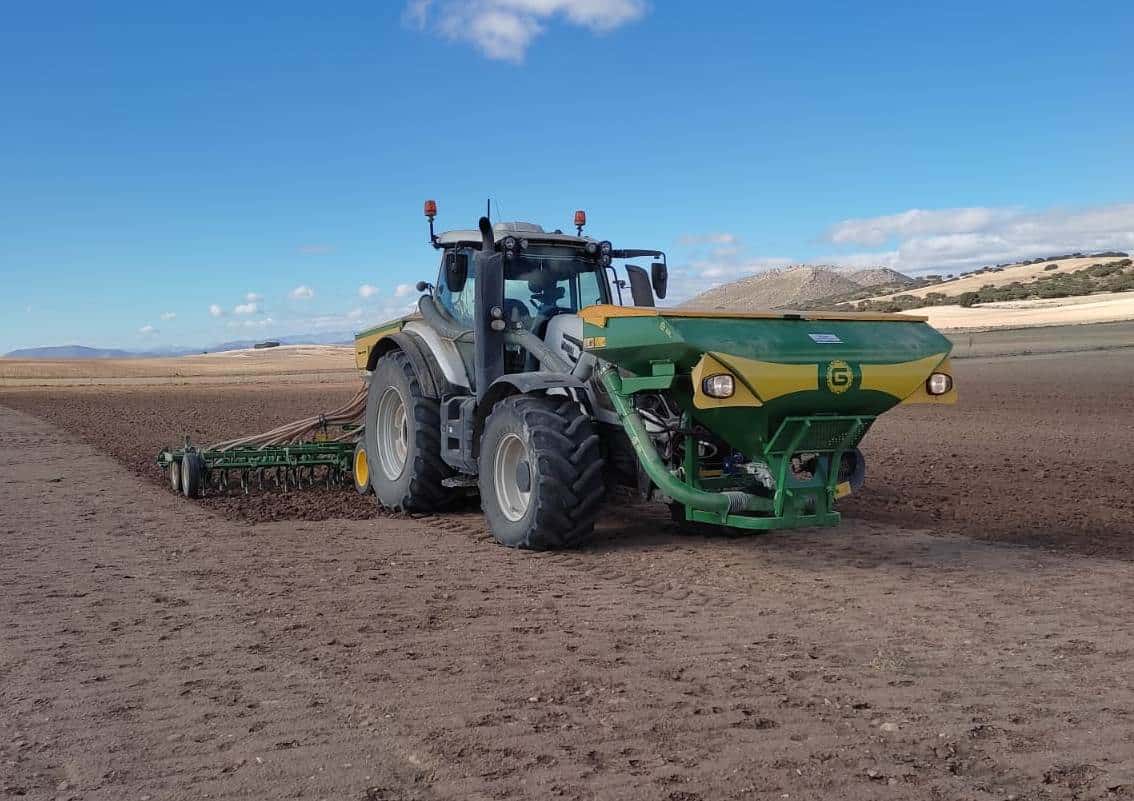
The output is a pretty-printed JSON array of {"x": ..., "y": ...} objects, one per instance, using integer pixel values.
[{"x": 158, "y": 163}]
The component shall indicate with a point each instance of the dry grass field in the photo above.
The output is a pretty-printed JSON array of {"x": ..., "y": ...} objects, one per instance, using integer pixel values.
[
  {"x": 1106, "y": 307},
  {"x": 1023, "y": 273},
  {"x": 286, "y": 360}
]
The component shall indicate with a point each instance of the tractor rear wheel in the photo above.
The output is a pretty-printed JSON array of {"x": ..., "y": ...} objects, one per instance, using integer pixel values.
[
  {"x": 541, "y": 473},
  {"x": 403, "y": 439}
]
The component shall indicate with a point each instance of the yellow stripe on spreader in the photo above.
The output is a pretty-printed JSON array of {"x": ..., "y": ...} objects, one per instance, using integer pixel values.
[
  {"x": 921, "y": 394},
  {"x": 900, "y": 380},
  {"x": 600, "y": 313},
  {"x": 709, "y": 366},
  {"x": 771, "y": 380}
]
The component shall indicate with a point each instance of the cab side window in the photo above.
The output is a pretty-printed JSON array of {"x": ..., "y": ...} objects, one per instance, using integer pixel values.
[{"x": 458, "y": 303}]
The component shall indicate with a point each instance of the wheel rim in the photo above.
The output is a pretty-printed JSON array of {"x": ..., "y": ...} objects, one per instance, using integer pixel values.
[
  {"x": 393, "y": 434},
  {"x": 361, "y": 468},
  {"x": 512, "y": 500}
]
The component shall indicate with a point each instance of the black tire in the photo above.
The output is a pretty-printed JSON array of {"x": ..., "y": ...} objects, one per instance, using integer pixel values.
[
  {"x": 852, "y": 468},
  {"x": 175, "y": 476},
  {"x": 417, "y": 488},
  {"x": 360, "y": 469},
  {"x": 565, "y": 472},
  {"x": 192, "y": 475}
]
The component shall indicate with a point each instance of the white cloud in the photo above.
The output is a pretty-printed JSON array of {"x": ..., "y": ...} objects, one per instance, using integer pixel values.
[
  {"x": 367, "y": 291},
  {"x": 417, "y": 12},
  {"x": 404, "y": 290},
  {"x": 253, "y": 297},
  {"x": 216, "y": 311},
  {"x": 504, "y": 29},
  {"x": 246, "y": 308},
  {"x": 168, "y": 315},
  {"x": 722, "y": 238},
  {"x": 959, "y": 239},
  {"x": 354, "y": 314},
  {"x": 147, "y": 330},
  {"x": 712, "y": 259},
  {"x": 874, "y": 231},
  {"x": 302, "y": 292},
  {"x": 262, "y": 322}
]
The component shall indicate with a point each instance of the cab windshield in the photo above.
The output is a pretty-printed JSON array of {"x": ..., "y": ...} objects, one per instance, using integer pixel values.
[{"x": 538, "y": 285}]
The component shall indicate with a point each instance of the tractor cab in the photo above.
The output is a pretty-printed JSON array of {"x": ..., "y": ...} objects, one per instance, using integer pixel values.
[
  {"x": 546, "y": 273},
  {"x": 546, "y": 278}
]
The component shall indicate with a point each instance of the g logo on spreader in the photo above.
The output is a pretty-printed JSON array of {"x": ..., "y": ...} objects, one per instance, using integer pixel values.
[{"x": 839, "y": 377}]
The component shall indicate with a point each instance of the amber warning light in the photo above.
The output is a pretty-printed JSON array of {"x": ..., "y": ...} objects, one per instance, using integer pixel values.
[
  {"x": 431, "y": 209},
  {"x": 580, "y": 220}
]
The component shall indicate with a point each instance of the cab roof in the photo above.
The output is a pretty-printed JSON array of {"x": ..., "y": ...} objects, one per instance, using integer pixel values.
[{"x": 520, "y": 230}]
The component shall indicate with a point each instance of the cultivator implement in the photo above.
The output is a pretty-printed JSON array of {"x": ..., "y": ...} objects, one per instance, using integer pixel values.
[{"x": 306, "y": 453}]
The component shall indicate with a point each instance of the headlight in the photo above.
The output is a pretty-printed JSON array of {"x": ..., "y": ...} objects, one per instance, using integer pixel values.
[
  {"x": 719, "y": 386},
  {"x": 604, "y": 248},
  {"x": 938, "y": 384}
]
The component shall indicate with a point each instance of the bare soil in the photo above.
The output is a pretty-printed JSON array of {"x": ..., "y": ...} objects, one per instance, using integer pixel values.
[
  {"x": 963, "y": 635},
  {"x": 1038, "y": 451}
]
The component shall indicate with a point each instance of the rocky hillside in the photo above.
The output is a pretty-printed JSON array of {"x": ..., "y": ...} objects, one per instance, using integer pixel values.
[
  {"x": 792, "y": 287},
  {"x": 879, "y": 276}
]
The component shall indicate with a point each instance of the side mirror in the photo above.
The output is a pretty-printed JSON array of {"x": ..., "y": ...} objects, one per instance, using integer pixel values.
[
  {"x": 456, "y": 271},
  {"x": 639, "y": 286},
  {"x": 659, "y": 277}
]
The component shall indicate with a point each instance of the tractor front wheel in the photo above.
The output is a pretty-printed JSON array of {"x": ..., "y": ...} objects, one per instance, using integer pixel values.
[{"x": 540, "y": 473}]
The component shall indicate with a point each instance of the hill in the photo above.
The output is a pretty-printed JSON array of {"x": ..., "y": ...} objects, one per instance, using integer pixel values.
[
  {"x": 792, "y": 287},
  {"x": 1062, "y": 277},
  {"x": 70, "y": 352},
  {"x": 879, "y": 276}
]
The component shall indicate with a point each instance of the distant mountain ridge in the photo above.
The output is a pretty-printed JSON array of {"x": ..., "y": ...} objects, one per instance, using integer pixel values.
[
  {"x": 70, "y": 352},
  {"x": 85, "y": 352}
]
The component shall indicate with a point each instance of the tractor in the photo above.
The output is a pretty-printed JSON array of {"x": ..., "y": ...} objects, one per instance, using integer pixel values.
[{"x": 527, "y": 375}]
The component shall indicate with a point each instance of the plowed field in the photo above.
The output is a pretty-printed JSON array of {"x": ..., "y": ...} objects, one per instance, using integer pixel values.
[{"x": 964, "y": 634}]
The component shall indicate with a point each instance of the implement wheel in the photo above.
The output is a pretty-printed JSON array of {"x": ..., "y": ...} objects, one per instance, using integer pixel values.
[
  {"x": 541, "y": 467},
  {"x": 192, "y": 475},
  {"x": 403, "y": 439},
  {"x": 175, "y": 476},
  {"x": 360, "y": 469}
]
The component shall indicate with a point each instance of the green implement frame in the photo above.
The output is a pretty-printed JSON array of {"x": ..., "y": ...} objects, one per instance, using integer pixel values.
[{"x": 286, "y": 466}]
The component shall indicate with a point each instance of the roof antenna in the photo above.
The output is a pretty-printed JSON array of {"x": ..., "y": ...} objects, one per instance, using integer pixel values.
[{"x": 488, "y": 209}]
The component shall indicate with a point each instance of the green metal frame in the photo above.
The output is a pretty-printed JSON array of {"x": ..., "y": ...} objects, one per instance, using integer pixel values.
[
  {"x": 736, "y": 500},
  {"x": 290, "y": 463}
]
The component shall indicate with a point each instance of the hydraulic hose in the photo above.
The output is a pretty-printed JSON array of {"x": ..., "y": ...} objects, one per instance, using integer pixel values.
[
  {"x": 548, "y": 359},
  {"x": 719, "y": 503},
  {"x": 438, "y": 320}
]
